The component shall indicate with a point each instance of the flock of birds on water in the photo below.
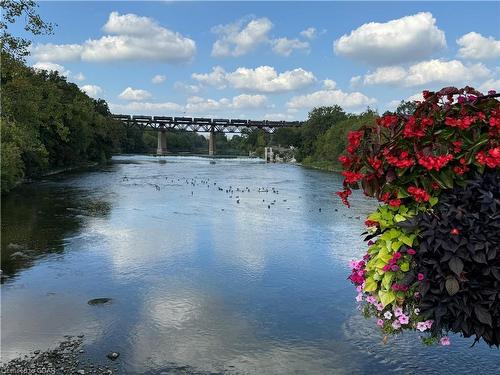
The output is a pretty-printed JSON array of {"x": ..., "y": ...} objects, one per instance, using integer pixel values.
[{"x": 230, "y": 191}]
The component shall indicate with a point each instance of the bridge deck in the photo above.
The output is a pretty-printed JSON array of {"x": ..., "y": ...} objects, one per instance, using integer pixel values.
[{"x": 202, "y": 124}]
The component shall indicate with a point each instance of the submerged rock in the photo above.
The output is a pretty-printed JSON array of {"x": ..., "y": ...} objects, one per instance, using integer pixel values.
[
  {"x": 113, "y": 355},
  {"x": 99, "y": 301}
]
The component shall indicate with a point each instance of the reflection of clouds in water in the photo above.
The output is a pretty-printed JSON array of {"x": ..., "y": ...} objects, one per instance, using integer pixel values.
[{"x": 196, "y": 329}]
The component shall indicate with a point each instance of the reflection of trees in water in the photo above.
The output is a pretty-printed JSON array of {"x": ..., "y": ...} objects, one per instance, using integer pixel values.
[{"x": 37, "y": 218}]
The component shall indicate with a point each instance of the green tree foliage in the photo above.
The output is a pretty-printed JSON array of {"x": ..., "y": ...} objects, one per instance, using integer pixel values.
[
  {"x": 48, "y": 123},
  {"x": 12, "y": 10}
]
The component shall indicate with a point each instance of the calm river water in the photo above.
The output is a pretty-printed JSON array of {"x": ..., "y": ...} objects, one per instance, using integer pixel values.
[{"x": 246, "y": 282}]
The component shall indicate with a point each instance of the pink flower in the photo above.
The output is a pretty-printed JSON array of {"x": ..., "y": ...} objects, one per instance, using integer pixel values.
[
  {"x": 398, "y": 311},
  {"x": 359, "y": 288},
  {"x": 411, "y": 252},
  {"x": 388, "y": 315},
  {"x": 380, "y": 322},
  {"x": 370, "y": 243},
  {"x": 379, "y": 306},
  {"x": 397, "y": 255},
  {"x": 396, "y": 325},
  {"x": 372, "y": 300},
  {"x": 386, "y": 268},
  {"x": 445, "y": 341},
  {"x": 422, "y": 326},
  {"x": 420, "y": 276},
  {"x": 359, "y": 297},
  {"x": 403, "y": 319}
]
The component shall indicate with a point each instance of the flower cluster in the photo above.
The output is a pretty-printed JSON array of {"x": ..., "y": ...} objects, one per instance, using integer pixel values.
[{"x": 407, "y": 162}]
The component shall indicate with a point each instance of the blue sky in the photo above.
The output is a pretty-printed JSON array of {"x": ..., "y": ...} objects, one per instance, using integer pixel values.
[{"x": 273, "y": 60}]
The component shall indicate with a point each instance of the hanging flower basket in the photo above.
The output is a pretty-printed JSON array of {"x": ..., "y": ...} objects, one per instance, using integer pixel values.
[{"x": 433, "y": 259}]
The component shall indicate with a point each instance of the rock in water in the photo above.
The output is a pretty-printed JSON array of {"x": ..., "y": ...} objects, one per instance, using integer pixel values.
[
  {"x": 113, "y": 355},
  {"x": 99, "y": 301}
]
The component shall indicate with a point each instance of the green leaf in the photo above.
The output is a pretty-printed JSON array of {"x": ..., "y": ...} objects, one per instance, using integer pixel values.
[
  {"x": 433, "y": 201},
  {"x": 407, "y": 240},
  {"x": 399, "y": 218},
  {"x": 405, "y": 267},
  {"x": 396, "y": 245},
  {"x": 387, "y": 280},
  {"x": 370, "y": 284},
  {"x": 386, "y": 297},
  {"x": 456, "y": 265},
  {"x": 451, "y": 285}
]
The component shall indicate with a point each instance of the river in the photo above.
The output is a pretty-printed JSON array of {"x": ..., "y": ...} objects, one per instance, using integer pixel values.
[{"x": 251, "y": 281}]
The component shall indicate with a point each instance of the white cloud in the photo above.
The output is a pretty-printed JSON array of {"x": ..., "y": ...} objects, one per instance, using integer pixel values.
[
  {"x": 79, "y": 77},
  {"x": 49, "y": 66},
  {"x": 136, "y": 95},
  {"x": 241, "y": 37},
  {"x": 133, "y": 38},
  {"x": 329, "y": 98},
  {"x": 452, "y": 72},
  {"x": 216, "y": 78},
  {"x": 266, "y": 79},
  {"x": 491, "y": 84},
  {"x": 284, "y": 46},
  {"x": 260, "y": 79},
  {"x": 355, "y": 81},
  {"x": 159, "y": 78},
  {"x": 405, "y": 39},
  {"x": 196, "y": 104},
  {"x": 186, "y": 88},
  {"x": 309, "y": 33},
  {"x": 278, "y": 116},
  {"x": 329, "y": 84},
  {"x": 386, "y": 75},
  {"x": 448, "y": 72},
  {"x": 474, "y": 46},
  {"x": 92, "y": 90},
  {"x": 57, "y": 52}
]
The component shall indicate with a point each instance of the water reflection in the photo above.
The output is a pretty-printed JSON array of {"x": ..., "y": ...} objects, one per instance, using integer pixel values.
[
  {"x": 38, "y": 218},
  {"x": 241, "y": 282}
]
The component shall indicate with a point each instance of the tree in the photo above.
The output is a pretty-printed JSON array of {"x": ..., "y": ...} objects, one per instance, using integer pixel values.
[{"x": 11, "y": 11}]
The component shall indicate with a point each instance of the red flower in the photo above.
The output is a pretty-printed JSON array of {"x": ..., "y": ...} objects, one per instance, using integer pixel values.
[
  {"x": 395, "y": 202},
  {"x": 457, "y": 146},
  {"x": 375, "y": 163},
  {"x": 490, "y": 159},
  {"x": 461, "y": 123},
  {"x": 455, "y": 231},
  {"x": 351, "y": 177},
  {"x": 420, "y": 195},
  {"x": 347, "y": 161},
  {"x": 354, "y": 140},
  {"x": 434, "y": 162},
  {"x": 412, "y": 129},
  {"x": 400, "y": 161},
  {"x": 371, "y": 223},
  {"x": 344, "y": 195},
  {"x": 388, "y": 120}
]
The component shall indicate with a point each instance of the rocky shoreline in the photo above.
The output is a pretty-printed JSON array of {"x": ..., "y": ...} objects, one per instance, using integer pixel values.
[{"x": 69, "y": 358}]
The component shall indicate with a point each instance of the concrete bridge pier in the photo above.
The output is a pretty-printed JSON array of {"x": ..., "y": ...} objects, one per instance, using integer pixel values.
[
  {"x": 162, "y": 142},
  {"x": 211, "y": 143}
]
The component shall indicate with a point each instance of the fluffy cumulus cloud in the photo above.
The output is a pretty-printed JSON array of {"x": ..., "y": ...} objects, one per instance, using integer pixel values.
[
  {"x": 196, "y": 104},
  {"x": 51, "y": 67},
  {"x": 410, "y": 38},
  {"x": 148, "y": 108},
  {"x": 474, "y": 46},
  {"x": 134, "y": 94},
  {"x": 261, "y": 79},
  {"x": 329, "y": 84},
  {"x": 159, "y": 78},
  {"x": 309, "y": 33},
  {"x": 490, "y": 84},
  {"x": 451, "y": 72},
  {"x": 92, "y": 90},
  {"x": 353, "y": 100},
  {"x": 216, "y": 78},
  {"x": 79, "y": 77},
  {"x": 285, "y": 46},
  {"x": 241, "y": 37},
  {"x": 131, "y": 37},
  {"x": 187, "y": 88}
]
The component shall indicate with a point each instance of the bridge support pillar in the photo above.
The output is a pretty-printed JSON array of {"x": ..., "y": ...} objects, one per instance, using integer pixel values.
[
  {"x": 162, "y": 142},
  {"x": 211, "y": 143}
]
